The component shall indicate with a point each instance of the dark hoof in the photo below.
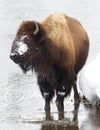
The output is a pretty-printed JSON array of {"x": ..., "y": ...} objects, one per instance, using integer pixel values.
[
  {"x": 48, "y": 116},
  {"x": 61, "y": 115}
]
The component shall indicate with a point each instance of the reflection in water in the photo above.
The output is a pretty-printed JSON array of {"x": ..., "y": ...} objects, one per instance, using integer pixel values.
[
  {"x": 62, "y": 123},
  {"x": 93, "y": 120}
]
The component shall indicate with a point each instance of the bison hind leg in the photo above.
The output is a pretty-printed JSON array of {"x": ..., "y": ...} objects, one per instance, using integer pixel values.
[{"x": 76, "y": 95}]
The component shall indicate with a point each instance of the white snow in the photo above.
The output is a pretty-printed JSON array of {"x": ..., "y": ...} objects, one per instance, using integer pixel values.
[
  {"x": 61, "y": 93},
  {"x": 22, "y": 48},
  {"x": 89, "y": 80},
  {"x": 13, "y": 53},
  {"x": 46, "y": 94}
]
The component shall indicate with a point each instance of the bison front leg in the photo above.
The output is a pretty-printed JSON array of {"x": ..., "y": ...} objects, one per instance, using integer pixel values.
[
  {"x": 60, "y": 92},
  {"x": 59, "y": 103},
  {"x": 47, "y": 92}
]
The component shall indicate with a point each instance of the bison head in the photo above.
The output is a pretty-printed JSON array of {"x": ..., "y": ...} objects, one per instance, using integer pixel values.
[{"x": 27, "y": 45}]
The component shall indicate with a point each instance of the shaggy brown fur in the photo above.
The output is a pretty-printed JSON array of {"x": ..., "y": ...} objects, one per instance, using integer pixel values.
[
  {"x": 56, "y": 53},
  {"x": 73, "y": 40}
]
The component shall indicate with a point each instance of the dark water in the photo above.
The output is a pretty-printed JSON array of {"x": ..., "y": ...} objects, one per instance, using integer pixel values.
[{"x": 21, "y": 105}]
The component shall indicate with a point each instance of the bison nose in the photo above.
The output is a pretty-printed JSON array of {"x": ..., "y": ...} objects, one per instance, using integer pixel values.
[{"x": 15, "y": 57}]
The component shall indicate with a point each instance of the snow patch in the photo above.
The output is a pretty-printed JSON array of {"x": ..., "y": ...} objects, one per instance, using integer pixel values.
[
  {"x": 89, "y": 81},
  {"x": 46, "y": 94},
  {"x": 22, "y": 48},
  {"x": 61, "y": 93}
]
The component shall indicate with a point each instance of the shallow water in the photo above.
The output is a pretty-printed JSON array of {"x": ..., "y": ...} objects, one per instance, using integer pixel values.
[{"x": 21, "y": 104}]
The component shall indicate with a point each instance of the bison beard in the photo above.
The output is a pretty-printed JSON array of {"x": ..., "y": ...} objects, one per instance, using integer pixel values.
[
  {"x": 25, "y": 67},
  {"x": 57, "y": 49}
]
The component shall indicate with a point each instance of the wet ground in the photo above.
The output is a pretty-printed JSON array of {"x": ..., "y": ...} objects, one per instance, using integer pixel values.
[{"x": 21, "y": 105}]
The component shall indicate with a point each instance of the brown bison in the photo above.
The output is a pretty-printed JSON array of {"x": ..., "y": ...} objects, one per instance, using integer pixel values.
[{"x": 56, "y": 48}]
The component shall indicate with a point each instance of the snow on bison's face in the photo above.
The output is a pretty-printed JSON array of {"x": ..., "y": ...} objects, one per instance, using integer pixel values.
[{"x": 25, "y": 47}]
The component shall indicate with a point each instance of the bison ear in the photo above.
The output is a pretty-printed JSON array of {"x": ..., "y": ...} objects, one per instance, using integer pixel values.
[{"x": 39, "y": 33}]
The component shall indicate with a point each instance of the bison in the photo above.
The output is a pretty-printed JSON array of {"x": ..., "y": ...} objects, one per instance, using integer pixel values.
[{"x": 56, "y": 48}]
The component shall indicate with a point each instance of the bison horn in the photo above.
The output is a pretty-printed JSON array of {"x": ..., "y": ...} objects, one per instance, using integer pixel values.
[{"x": 37, "y": 29}]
